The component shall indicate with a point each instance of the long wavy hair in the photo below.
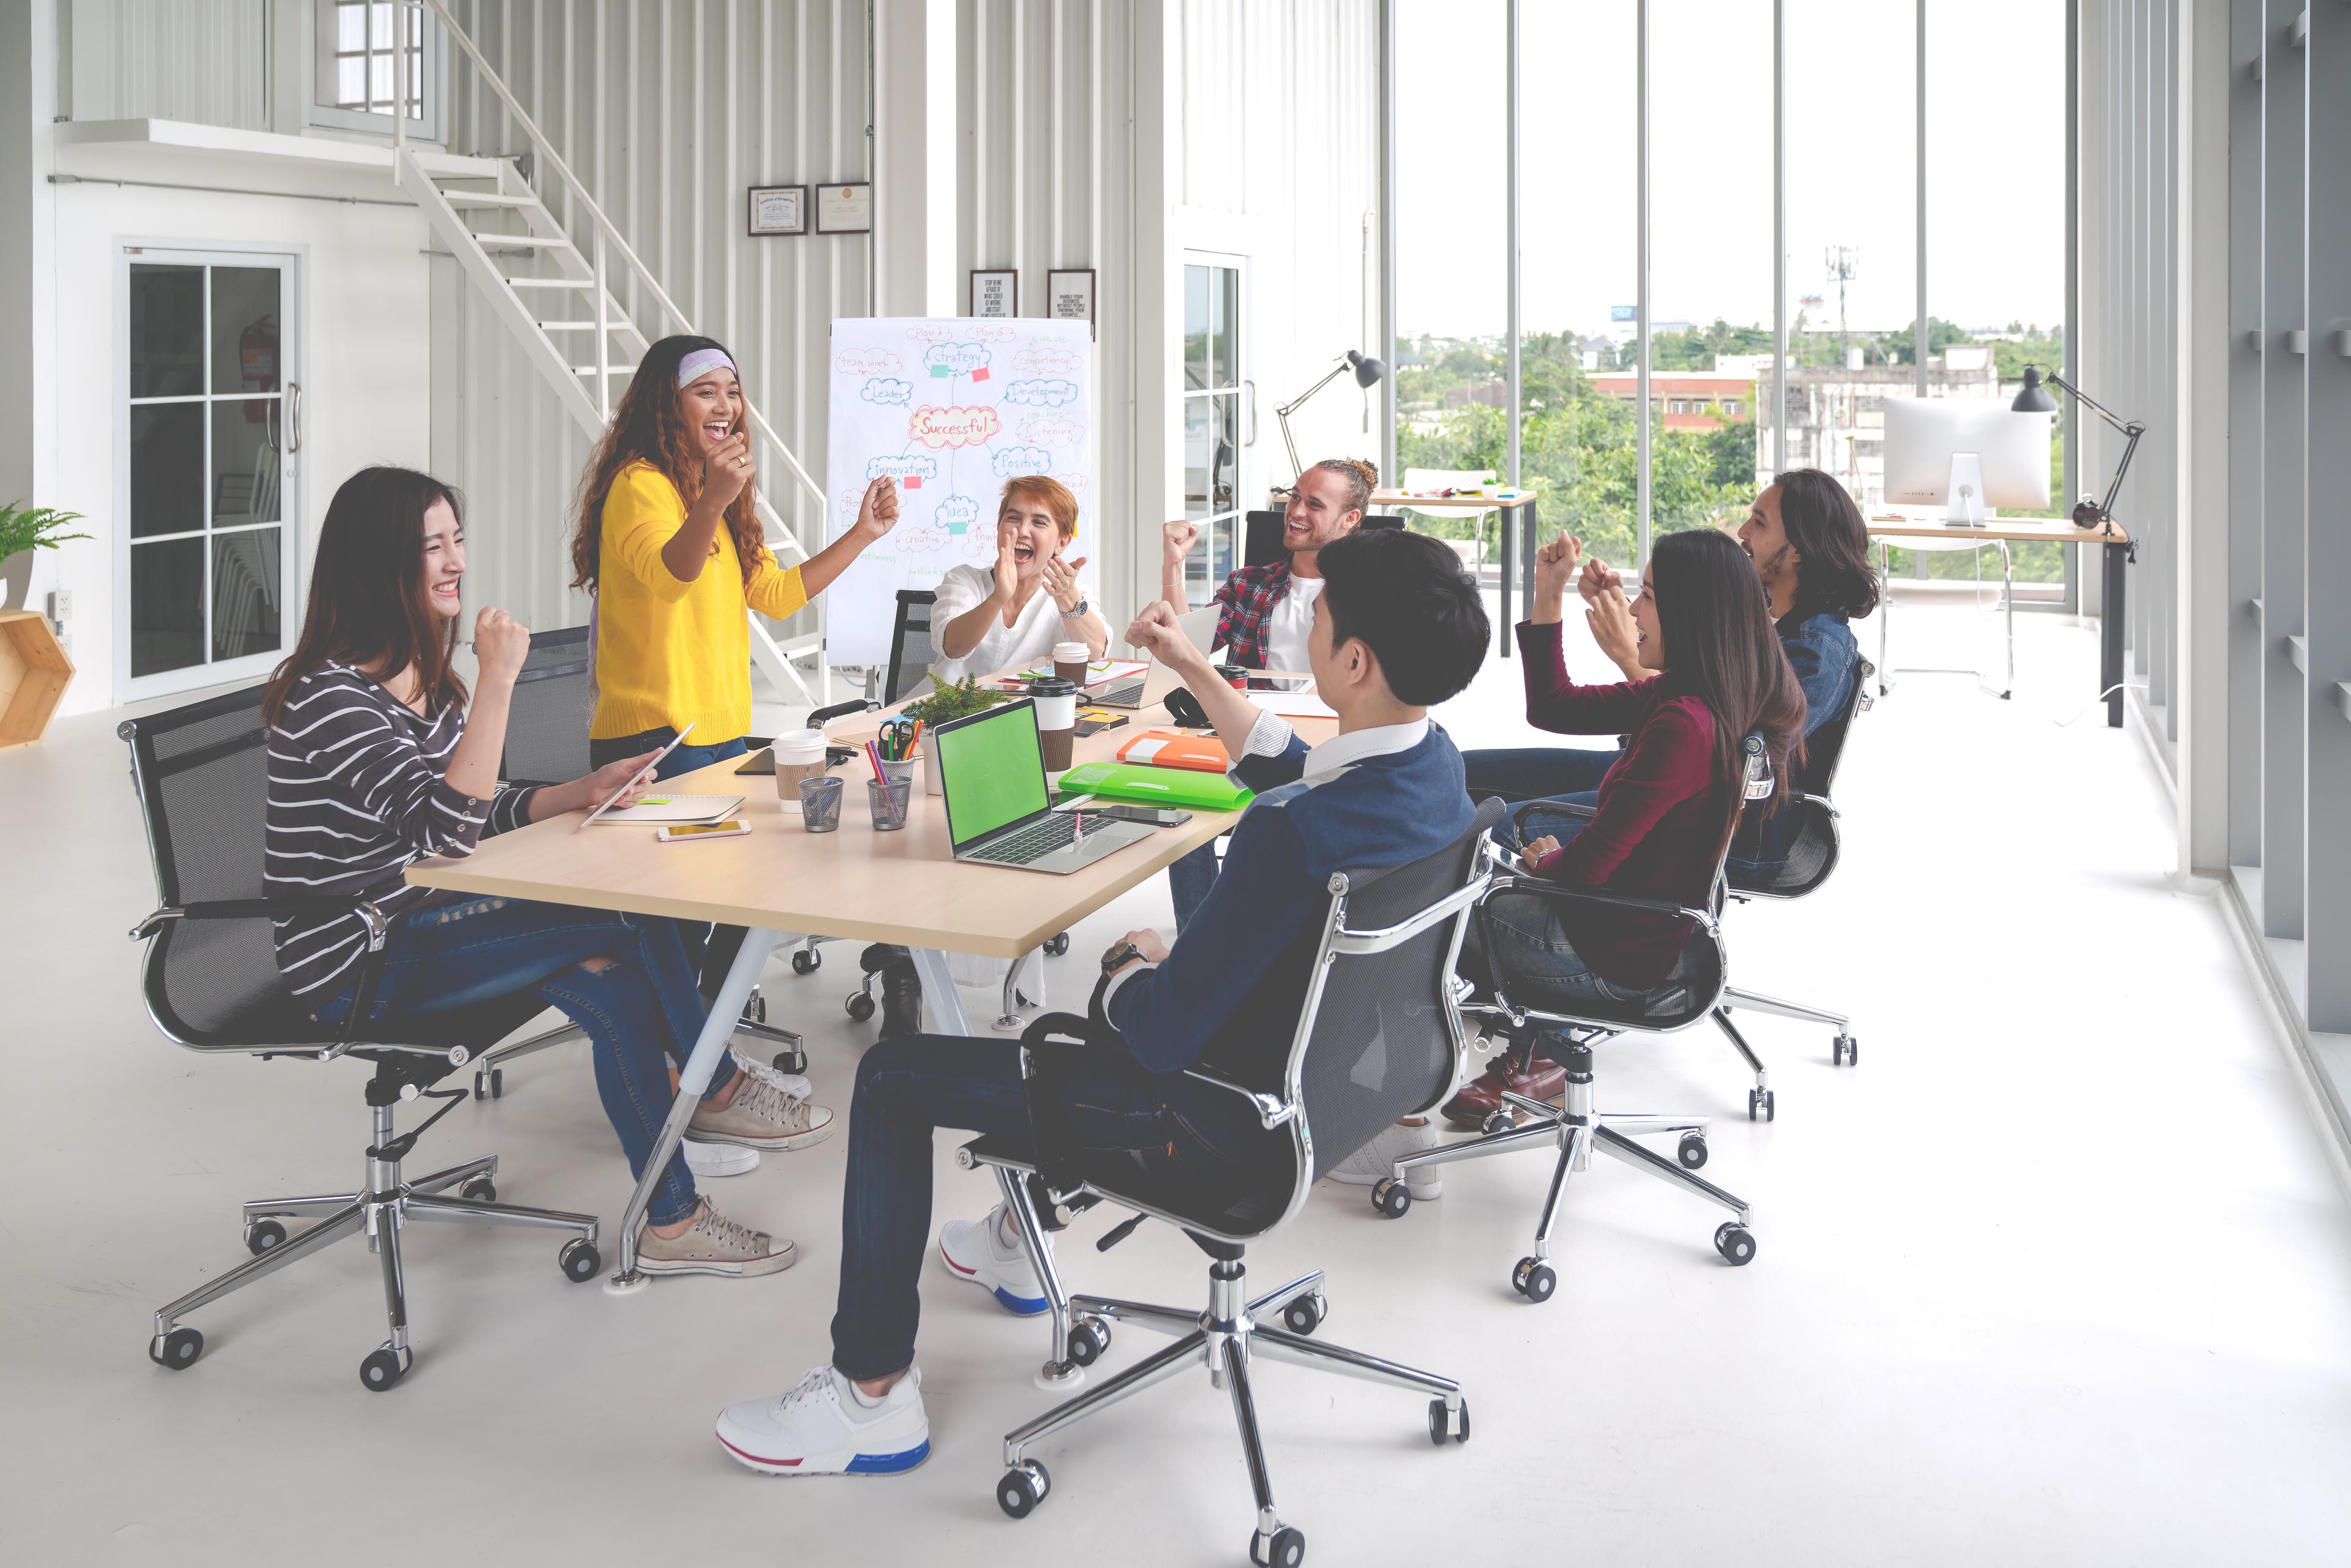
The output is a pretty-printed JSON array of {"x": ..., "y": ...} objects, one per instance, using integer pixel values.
[
  {"x": 1721, "y": 647},
  {"x": 647, "y": 428},
  {"x": 1818, "y": 514},
  {"x": 369, "y": 604}
]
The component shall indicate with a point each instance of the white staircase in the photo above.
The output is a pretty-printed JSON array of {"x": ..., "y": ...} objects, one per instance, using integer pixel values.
[{"x": 557, "y": 303}]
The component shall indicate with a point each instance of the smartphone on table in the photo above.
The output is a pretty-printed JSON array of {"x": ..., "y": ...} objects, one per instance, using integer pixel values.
[{"x": 688, "y": 832}]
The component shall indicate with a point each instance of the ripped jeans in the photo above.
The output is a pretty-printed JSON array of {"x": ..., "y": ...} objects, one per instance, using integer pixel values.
[
  {"x": 641, "y": 1012},
  {"x": 911, "y": 1085}
]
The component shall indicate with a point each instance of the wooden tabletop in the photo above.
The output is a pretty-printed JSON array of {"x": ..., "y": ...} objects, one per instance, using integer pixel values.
[
  {"x": 1450, "y": 503},
  {"x": 899, "y": 886},
  {"x": 2035, "y": 530}
]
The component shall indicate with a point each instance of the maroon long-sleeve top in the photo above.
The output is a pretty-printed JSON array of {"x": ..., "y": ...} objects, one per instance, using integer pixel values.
[{"x": 1657, "y": 830}]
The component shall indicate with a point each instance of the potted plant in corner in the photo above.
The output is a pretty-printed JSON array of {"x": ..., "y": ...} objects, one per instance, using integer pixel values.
[
  {"x": 958, "y": 701},
  {"x": 23, "y": 530}
]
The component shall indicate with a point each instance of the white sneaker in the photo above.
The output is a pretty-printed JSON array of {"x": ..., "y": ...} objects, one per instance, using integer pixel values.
[
  {"x": 719, "y": 1159},
  {"x": 792, "y": 1084},
  {"x": 714, "y": 1244},
  {"x": 1367, "y": 1166},
  {"x": 975, "y": 1250},
  {"x": 824, "y": 1428}
]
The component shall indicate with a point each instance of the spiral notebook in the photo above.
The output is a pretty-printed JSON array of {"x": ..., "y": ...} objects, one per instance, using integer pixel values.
[{"x": 676, "y": 809}]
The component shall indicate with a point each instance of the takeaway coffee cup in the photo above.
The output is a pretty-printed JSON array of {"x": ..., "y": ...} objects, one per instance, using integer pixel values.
[
  {"x": 1069, "y": 661},
  {"x": 1056, "y": 720},
  {"x": 800, "y": 754}
]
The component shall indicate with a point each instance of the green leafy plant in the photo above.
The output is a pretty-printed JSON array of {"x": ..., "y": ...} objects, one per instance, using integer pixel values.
[
  {"x": 958, "y": 701},
  {"x": 34, "y": 527}
]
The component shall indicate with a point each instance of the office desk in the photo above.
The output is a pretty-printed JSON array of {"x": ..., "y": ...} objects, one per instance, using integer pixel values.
[
  {"x": 1526, "y": 529},
  {"x": 2119, "y": 548},
  {"x": 900, "y": 887}
]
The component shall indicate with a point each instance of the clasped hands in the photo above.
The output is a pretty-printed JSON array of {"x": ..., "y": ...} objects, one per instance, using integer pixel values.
[{"x": 1607, "y": 611}]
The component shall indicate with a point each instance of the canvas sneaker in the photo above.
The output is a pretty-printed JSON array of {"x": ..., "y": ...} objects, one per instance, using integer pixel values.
[
  {"x": 762, "y": 1116},
  {"x": 978, "y": 1251},
  {"x": 715, "y": 1244},
  {"x": 1377, "y": 1159},
  {"x": 790, "y": 1083},
  {"x": 824, "y": 1427}
]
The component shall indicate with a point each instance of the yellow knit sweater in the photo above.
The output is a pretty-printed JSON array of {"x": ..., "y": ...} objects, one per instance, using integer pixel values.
[{"x": 670, "y": 653}]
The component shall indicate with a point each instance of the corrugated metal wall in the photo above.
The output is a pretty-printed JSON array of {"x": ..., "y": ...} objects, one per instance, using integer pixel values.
[
  {"x": 205, "y": 60},
  {"x": 668, "y": 113}
]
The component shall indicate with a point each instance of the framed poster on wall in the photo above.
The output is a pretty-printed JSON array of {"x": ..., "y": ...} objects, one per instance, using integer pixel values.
[
  {"x": 995, "y": 295},
  {"x": 778, "y": 209},
  {"x": 844, "y": 209},
  {"x": 1070, "y": 295}
]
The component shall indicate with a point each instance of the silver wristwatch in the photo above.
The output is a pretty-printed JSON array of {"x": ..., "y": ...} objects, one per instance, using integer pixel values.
[{"x": 1073, "y": 614}]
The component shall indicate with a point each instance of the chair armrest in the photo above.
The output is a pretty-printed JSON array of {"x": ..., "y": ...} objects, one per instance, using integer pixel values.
[
  {"x": 1560, "y": 893},
  {"x": 825, "y": 715},
  {"x": 1556, "y": 808}
]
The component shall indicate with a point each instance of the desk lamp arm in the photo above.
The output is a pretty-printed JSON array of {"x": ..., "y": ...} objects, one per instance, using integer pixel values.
[
  {"x": 1282, "y": 414},
  {"x": 2132, "y": 429}
]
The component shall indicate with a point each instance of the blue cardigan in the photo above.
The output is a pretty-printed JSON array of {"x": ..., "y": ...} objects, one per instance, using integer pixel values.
[{"x": 1230, "y": 989}]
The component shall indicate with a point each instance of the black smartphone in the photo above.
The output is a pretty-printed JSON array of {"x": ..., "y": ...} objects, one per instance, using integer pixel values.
[{"x": 1150, "y": 815}]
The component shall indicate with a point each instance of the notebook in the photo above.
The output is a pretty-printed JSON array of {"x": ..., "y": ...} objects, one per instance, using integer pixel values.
[
  {"x": 676, "y": 808},
  {"x": 1174, "y": 749}
]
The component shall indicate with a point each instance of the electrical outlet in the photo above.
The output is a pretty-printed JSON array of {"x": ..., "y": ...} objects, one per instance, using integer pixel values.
[
  {"x": 65, "y": 643},
  {"x": 61, "y": 605}
]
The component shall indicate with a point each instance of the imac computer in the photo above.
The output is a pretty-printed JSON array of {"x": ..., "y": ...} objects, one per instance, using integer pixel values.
[{"x": 1966, "y": 455}]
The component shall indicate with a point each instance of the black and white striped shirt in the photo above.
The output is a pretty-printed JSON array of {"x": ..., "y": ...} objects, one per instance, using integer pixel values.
[{"x": 358, "y": 792}]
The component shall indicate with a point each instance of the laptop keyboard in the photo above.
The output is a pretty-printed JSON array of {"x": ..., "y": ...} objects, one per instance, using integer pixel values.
[
  {"x": 1033, "y": 842},
  {"x": 1124, "y": 693}
]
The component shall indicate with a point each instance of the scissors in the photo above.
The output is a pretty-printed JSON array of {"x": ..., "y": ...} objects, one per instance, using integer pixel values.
[{"x": 897, "y": 736}]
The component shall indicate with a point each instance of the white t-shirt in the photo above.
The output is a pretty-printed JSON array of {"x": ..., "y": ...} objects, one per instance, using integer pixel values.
[
  {"x": 1028, "y": 640},
  {"x": 1286, "y": 628}
]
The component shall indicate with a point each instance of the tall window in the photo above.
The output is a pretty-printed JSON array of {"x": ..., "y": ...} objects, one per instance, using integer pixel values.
[
  {"x": 357, "y": 47},
  {"x": 1212, "y": 437}
]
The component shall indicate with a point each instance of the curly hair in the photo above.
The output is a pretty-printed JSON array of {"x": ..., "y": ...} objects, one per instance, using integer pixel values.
[
  {"x": 1360, "y": 474},
  {"x": 648, "y": 428}
]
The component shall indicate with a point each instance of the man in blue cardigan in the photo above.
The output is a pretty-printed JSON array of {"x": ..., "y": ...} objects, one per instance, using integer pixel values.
[{"x": 1398, "y": 628}]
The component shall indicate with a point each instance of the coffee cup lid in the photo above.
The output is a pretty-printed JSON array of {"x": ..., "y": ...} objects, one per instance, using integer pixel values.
[
  {"x": 1053, "y": 687},
  {"x": 800, "y": 746},
  {"x": 1070, "y": 653}
]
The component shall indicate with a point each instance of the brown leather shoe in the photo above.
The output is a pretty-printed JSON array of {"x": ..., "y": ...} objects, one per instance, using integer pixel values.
[{"x": 1545, "y": 1081}]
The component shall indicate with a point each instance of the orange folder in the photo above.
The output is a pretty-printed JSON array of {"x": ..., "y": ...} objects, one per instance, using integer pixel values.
[{"x": 1174, "y": 749}]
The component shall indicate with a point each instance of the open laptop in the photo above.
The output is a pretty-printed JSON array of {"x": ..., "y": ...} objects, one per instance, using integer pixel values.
[
  {"x": 992, "y": 774},
  {"x": 1199, "y": 627}
]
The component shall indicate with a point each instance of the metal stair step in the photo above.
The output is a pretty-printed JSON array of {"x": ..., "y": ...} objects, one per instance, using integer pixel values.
[
  {"x": 618, "y": 324},
  {"x": 485, "y": 199},
  {"x": 516, "y": 242},
  {"x": 608, "y": 370},
  {"x": 550, "y": 283}
]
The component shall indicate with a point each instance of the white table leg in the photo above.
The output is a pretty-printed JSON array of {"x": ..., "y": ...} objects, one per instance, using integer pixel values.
[
  {"x": 701, "y": 1067},
  {"x": 939, "y": 991}
]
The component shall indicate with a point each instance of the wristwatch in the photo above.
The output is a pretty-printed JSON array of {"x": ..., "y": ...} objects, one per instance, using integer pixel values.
[
  {"x": 1118, "y": 958},
  {"x": 1073, "y": 614}
]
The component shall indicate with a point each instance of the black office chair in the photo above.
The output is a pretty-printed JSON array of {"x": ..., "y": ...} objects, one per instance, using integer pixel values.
[
  {"x": 910, "y": 644},
  {"x": 1262, "y": 534},
  {"x": 1379, "y": 1039},
  {"x": 1805, "y": 833},
  {"x": 212, "y": 985},
  {"x": 1685, "y": 997}
]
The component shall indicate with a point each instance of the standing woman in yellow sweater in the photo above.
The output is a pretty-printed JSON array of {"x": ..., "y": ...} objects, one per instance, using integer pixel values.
[{"x": 668, "y": 541}]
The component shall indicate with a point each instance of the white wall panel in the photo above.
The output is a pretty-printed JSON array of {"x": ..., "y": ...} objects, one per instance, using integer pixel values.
[{"x": 205, "y": 60}]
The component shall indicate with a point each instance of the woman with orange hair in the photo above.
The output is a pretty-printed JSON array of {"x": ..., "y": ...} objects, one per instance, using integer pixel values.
[{"x": 988, "y": 618}]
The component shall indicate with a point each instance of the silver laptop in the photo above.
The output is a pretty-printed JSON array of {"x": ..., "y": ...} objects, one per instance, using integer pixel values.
[
  {"x": 1199, "y": 627},
  {"x": 992, "y": 774}
]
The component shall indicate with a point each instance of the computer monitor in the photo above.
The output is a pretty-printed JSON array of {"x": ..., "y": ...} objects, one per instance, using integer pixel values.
[{"x": 1966, "y": 455}]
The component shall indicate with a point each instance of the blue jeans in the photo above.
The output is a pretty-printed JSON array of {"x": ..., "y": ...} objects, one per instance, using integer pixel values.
[
  {"x": 1536, "y": 772},
  {"x": 909, "y": 1086},
  {"x": 641, "y": 1012},
  {"x": 709, "y": 949},
  {"x": 1530, "y": 951}
]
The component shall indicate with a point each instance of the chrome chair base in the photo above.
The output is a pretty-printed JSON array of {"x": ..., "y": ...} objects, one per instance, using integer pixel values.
[
  {"x": 1577, "y": 1129},
  {"x": 378, "y": 1211},
  {"x": 1843, "y": 1051}
]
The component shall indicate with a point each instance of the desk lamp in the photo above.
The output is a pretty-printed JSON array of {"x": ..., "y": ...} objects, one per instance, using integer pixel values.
[
  {"x": 2088, "y": 513},
  {"x": 1368, "y": 371}
]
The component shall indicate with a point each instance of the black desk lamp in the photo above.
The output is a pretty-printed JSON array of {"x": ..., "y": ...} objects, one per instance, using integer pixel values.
[
  {"x": 2088, "y": 513},
  {"x": 1368, "y": 372}
]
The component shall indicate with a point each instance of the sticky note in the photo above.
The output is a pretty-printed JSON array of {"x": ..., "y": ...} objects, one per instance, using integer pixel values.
[
  {"x": 980, "y": 374},
  {"x": 940, "y": 371},
  {"x": 913, "y": 481}
]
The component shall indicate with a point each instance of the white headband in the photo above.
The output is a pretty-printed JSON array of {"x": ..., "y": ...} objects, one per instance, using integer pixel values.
[{"x": 700, "y": 363}]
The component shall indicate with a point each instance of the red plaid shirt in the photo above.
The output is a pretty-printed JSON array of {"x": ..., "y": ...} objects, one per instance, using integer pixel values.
[{"x": 1248, "y": 598}]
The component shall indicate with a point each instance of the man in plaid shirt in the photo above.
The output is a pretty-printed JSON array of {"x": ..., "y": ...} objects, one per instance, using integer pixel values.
[{"x": 1266, "y": 612}]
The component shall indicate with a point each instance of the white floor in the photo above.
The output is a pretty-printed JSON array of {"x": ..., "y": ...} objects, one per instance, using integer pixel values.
[{"x": 2058, "y": 1274}]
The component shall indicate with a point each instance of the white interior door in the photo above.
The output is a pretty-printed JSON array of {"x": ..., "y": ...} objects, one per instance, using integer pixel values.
[
  {"x": 208, "y": 452},
  {"x": 1214, "y": 413}
]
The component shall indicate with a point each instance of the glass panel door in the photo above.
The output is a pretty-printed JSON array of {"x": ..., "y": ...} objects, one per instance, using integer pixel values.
[
  {"x": 1213, "y": 437},
  {"x": 207, "y": 465}
]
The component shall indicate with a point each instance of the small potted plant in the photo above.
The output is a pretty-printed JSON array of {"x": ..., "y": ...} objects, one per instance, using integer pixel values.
[
  {"x": 23, "y": 530},
  {"x": 960, "y": 700}
]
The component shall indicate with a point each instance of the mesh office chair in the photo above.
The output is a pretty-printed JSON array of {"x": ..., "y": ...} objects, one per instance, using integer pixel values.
[
  {"x": 1574, "y": 1126},
  {"x": 1805, "y": 829},
  {"x": 910, "y": 644},
  {"x": 212, "y": 985},
  {"x": 1262, "y": 534},
  {"x": 1378, "y": 1038}
]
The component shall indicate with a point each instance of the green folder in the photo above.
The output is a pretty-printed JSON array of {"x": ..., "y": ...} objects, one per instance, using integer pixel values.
[{"x": 1184, "y": 789}]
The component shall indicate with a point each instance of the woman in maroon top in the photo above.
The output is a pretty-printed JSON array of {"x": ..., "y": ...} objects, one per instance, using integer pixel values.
[{"x": 1665, "y": 810}]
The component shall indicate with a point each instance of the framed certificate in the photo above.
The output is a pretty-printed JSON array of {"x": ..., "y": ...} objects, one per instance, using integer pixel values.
[
  {"x": 778, "y": 209},
  {"x": 1070, "y": 295},
  {"x": 995, "y": 293},
  {"x": 844, "y": 209}
]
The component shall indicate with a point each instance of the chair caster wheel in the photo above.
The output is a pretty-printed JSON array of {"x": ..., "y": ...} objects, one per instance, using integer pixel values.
[
  {"x": 490, "y": 1084},
  {"x": 807, "y": 961},
  {"x": 1057, "y": 946},
  {"x": 860, "y": 1007},
  {"x": 1762, "y": 1102},
  {"x": 176, "y": 1351},
  {"x": 1089, "y": 1338},
  {"x": 1736, "y": 1244},
  {"x": 1305, "y": 1314},
  {"x": 480, "y": 1188},
  {"x": 580, "y": 1261},
  {"x": 1024, "y": 1486},
  {"x": 1498, "y": 1120},
  {"x": 1444, "y": 1424},
  {"x": 1692, "y": 1152},
  {"x": 1533, "y": 1280},
  {"x": 263, "y": 1236},
  {"x": 1845, "y": 1052},
  {"x": 1285, "y": 1548},
  {"x": 384, "y": 1369},
  {"x": 1391, "y": 1198},
  {"x": 792, "y": 1062}
]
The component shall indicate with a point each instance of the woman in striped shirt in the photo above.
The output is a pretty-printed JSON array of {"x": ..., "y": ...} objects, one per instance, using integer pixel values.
[{"x": 375, "y": 762}]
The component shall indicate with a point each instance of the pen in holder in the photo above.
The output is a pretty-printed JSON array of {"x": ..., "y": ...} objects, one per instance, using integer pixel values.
[
  {"x": 888, "y": 802},
  {"x": 821, "y": 804}
]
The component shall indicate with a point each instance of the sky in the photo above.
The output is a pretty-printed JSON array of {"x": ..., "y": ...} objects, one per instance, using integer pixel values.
[{"x": 1995, "y": 172}]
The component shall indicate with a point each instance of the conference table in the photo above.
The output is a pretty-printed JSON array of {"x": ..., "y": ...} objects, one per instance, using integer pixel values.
[
  {"x": 855, "y": 883},
  {"x": 1518, "y": 527}
]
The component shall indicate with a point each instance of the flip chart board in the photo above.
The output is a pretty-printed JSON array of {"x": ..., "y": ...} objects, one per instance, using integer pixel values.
[{"x": 950, "y": 409}]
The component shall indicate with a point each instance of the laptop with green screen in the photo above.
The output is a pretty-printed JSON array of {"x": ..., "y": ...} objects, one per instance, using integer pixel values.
[{"x": 992, "y": 776}]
